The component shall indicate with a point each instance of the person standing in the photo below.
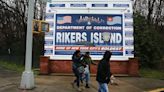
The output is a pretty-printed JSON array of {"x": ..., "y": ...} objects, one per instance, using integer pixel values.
[
  {"x": 103, "y": 72},
  {"x": 87, "y": 61}
]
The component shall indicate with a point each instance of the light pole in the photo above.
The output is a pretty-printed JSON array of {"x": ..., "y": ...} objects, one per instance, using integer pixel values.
[{"x": 27, "y": 80}]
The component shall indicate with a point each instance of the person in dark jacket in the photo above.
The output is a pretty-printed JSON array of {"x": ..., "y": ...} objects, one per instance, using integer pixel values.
[
  {"x": 76, "y": 58},
  {"x": 103, "y": 72}
]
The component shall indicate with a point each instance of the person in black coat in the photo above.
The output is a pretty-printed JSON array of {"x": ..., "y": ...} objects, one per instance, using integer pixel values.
[
  {"x": 103, "y": 72},
  {"x": 76, "y": 63}
]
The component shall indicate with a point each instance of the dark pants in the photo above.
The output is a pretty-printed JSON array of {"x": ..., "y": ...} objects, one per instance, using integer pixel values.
[{"x": 77, "y": 74}]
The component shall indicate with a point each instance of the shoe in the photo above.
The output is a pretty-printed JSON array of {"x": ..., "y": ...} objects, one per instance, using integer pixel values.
[
  {"x": 79, "y": 89},
  {"x": 87, "y": 86},
  {"x": 114, "y": 84},
  {"x": 82, "y": 87}
]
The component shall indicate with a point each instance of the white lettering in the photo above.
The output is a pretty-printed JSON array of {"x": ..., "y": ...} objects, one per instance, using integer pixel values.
[
  {"x": 58, "y": 37},
  {"x": 95, "y": 37},
  {"x": 67, "y": 40},
  {"x": 73, "y": 37},
  {"x": 70, "y": 37},
  {"x": 84, "y": 36}
]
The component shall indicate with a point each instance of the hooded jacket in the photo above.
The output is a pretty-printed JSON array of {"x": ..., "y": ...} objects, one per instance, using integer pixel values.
[{"x": 103, "y": 70}]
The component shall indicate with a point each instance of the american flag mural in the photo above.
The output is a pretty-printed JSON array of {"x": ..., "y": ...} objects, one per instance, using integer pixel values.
[{"x": 64, "y": 19}]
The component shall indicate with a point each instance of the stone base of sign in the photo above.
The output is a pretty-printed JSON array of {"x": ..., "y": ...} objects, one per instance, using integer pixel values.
[{"x": 130, "y": 67}]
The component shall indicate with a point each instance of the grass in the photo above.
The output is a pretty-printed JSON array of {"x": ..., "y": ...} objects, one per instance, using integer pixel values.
[
  {"x": 151, "y": 73},
  {"x": 12, "y": 66},
  {"x": 15, "y": 67}
]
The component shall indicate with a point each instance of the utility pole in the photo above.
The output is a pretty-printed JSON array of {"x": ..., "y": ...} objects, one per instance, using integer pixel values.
[{"x": 27, "y": 80}]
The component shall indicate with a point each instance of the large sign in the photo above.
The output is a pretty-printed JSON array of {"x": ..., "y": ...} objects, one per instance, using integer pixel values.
[
  {"x": 88, "y": 32},
  {"x": 94, "y": 27}
]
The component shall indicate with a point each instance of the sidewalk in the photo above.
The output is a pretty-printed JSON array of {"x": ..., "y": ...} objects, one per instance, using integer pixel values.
[
  {"x": 10, "y": 81},
  {"x": 62, "y": 84}
]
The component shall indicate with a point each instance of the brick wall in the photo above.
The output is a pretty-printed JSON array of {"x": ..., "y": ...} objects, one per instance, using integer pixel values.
[{"x": 117, "y": 67}]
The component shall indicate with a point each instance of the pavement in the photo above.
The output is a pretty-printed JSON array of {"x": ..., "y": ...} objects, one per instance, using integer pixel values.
[{"x": 10, "y": 81}]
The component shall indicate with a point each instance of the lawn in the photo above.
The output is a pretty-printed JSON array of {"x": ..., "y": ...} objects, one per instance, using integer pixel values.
[
  {"x": 12, "y": 66},
  {"x": 152, "y": 73},
  {"x": 15, "y": 67}
]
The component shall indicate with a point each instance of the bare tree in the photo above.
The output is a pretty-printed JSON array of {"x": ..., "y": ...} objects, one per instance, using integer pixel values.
[
  {"x": 13, "y": 22},
  {"x": 153, "y": 10}
]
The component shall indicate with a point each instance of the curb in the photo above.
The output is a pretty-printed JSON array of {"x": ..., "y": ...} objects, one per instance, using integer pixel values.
[{"x": 157, "y": 90}]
